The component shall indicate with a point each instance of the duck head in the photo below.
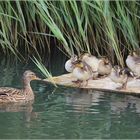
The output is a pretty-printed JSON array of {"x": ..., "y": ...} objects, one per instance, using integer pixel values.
[{"x": 28, "y": 76}]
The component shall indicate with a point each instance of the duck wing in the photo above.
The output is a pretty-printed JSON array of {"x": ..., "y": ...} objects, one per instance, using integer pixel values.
[
  {"x": 10, "y": 95},
  {"x": 9, "y": 91}
]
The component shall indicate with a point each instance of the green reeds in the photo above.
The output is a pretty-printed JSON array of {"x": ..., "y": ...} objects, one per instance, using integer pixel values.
[
  {"x": 99, "y": 27},
  {"x": 43, "y": 70}
]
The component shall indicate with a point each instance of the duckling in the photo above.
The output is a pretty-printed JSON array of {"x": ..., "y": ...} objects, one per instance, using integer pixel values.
[
  {"x": 119, "y": 75},
  {"x": 104, "y": 67},
  {"x": 91, "y": 60},
  {"x": 82, "y": 72},
  {"x": 133, "y": 62},
  {"x": 8, "y": 94},
  {"x": 69, "y": 65}
]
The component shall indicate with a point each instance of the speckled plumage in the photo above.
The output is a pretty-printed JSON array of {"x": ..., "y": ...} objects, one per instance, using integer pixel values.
[{"x": 8, "y": 94}]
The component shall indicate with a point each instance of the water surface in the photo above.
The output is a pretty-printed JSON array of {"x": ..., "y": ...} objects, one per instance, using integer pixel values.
[{"x": 66, "y": 112}]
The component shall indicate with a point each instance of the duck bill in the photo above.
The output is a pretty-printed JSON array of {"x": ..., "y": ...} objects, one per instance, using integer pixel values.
[{"x": 36, "y": 78}]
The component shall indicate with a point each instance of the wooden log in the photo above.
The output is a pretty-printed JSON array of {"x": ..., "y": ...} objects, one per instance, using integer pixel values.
[{"x": 101, "y": 84}]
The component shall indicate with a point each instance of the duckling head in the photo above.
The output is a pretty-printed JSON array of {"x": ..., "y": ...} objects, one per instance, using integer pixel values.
[
  {"x": 105, "y": 60},
  {"x": 79, "y": 64},
  {"x": 73, "y": 58},
  {"x": 133, "y": 53},
  {"x": 28, "y": 76},
  {"x": 116, "y": 68},
  {"x": 84, "y": 55}
]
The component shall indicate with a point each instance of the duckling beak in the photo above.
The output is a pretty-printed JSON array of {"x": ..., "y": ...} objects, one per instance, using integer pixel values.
[
  {"x": 107, "y": 62},
  {"x": 79, "y": 65}
]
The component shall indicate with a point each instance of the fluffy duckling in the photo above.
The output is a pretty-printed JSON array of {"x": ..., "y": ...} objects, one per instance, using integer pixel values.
[
  {"x": 104, "y": 67},
  {"x": 133, "y": 62},
  {"x": 119, "y": 75},
  {"x": 8, "y": 94},
  {"x": 69, "y": 65},
  {"x": 82, "y": 72},
  {"x": 91, "y": 60}
]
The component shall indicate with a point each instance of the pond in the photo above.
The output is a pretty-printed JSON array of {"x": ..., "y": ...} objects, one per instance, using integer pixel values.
[{"x": 66, "y": 113}]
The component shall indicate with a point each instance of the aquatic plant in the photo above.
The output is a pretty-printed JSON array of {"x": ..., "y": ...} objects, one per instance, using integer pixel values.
[
  {"x": 98, "y": 27},
  {"x": 43, "y": 70}
]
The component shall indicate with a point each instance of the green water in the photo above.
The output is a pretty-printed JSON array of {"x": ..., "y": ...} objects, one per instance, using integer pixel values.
[{"x": 66, "y": 112}]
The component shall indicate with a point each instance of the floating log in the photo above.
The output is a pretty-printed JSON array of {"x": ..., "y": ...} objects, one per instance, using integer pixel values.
[{"x": 101, "y": 84}]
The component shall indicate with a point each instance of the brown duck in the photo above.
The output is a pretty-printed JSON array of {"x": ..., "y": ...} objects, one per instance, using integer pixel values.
[{"x": 8, "y": 94}]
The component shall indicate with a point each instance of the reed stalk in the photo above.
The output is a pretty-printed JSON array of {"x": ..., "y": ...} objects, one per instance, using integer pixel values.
[{"x": 99, "y": 27}]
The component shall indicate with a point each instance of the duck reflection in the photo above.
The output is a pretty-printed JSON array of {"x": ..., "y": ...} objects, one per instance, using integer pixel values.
[
  {"x": 128, "y": 102},
  {"x": 25, "y": 107},
  {"x": 82, "y": 99}
]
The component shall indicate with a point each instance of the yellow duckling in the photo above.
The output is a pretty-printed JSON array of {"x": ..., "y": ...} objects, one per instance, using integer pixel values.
[
  {"x": 8, "y": 94},
  {"x": 104, "y": 67},
  {"x": 82, "y": 72},
  {"x": 119, "y": 75},
  {"x": 69, "y": 65},
  {"x": 91, "y": 60},
  {"x": 133, "y": 62}
]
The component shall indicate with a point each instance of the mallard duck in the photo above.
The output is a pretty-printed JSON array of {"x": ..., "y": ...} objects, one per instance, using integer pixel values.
[
  {"x": 133, "y": 62},
  {"x": 119, "y": 75},
  {"x": 91, "y": 60},
  {"x": 82, "y": 72},
  {"x": 104, "y": 67},
  {"x": 69, "y": 65},
  {"x": 8, "y": 94}
]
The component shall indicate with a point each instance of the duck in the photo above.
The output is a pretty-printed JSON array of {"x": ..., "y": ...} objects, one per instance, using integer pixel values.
[
  {"x": 13, "y": 95},
  {"x": 119, "y": 75},
  {"x": 133, "y": 63},
  {"x": 91, "y": 60},
  {"x": 82, "y": 72},
  {"x": 69, "y": 65},
  {"x": 104, "y": 67}
]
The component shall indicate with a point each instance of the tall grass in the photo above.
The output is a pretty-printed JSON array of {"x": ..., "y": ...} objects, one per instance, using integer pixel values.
[{"x": 99, "y": 27}]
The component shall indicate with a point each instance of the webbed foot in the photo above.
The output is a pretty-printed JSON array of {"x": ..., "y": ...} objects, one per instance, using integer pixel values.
[
  {"x": 138, "y": 77},
  {"x": 78, "y": 82},
  {"x": 122, "y": 87}
]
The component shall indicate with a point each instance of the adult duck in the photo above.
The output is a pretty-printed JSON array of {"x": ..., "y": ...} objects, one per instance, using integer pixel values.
[{"x": 8, "y": 94}]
